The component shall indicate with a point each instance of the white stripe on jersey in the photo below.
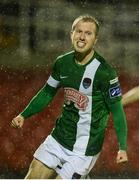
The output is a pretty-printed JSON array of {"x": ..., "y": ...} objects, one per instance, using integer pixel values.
[
  {"x": 52, "y": 82},
  {"x": 83, "y": 125}
]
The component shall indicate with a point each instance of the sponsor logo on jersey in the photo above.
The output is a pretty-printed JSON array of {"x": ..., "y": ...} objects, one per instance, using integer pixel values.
[
  {"x": 115, "y": 91},
  {"x": 80, "y": 100},
  {"x": 86, "y": 83},
  {"x": 115, "y": 80}
]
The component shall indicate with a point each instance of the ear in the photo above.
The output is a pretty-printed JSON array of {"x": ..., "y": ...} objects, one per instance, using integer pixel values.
[
  {"x": 71, "y": 33},
  {"x": 96, "y": 40}
]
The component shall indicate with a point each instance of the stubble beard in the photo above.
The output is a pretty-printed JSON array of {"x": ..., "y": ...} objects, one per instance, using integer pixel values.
[{"x": 81, "y": 55}]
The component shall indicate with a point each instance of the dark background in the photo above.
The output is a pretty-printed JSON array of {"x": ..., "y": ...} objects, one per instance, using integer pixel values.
[{"x": 32, "y": 34}]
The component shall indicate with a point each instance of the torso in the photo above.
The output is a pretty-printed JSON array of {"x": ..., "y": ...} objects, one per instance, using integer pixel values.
[{"x": 84, "y": 117}]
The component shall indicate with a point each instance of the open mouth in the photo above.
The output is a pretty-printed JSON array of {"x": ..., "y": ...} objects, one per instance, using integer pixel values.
[{"x": 81, "y": 44}]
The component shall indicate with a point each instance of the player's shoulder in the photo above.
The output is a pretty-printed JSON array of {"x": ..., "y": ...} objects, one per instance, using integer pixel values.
[
  {"x": 66, "y": 56},
  {"x": 104, "y": 65},
  {"x": 64, "y": 59},
  {"x": 105, "y": 70}
]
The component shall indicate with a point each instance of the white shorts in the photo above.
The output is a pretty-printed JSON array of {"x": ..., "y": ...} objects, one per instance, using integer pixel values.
[{"x": 66, "y": 163}]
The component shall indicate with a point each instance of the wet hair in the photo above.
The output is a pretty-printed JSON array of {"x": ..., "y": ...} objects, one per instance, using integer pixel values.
[{"x": 86, "y": 18}]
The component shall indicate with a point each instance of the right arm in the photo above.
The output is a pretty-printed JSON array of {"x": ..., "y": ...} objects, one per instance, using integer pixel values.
[
  {"x": 41, "y": 99},
  {"x": 131, "y": 96},
  {"x": 37, "y": 104}
]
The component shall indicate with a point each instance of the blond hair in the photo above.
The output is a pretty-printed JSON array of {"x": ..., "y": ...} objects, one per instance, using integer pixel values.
[{"x": 86, "y": 18}]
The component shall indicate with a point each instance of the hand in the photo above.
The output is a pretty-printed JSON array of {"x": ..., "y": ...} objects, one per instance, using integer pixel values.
[
  {"x": 17, "y": 122},
  {"x": 121, "y": 156}
]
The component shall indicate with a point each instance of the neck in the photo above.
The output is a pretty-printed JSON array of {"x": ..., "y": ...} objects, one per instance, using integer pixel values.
[{"x": 83, "y": 58}]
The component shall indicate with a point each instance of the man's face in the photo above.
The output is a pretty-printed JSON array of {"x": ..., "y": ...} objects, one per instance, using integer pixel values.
[{"x": 84, "y": 37}]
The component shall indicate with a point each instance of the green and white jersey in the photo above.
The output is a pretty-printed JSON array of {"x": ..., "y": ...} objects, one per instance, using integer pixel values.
[{"x": 89, "y": 91}]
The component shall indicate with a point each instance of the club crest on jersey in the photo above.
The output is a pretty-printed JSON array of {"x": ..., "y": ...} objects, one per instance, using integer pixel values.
[
  {"x": 115, "y": 91},
  {"x": 72, "y": 95},
  {"x": 86, "y": 83}
]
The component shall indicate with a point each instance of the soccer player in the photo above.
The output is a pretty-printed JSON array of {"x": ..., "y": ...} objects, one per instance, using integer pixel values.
[
  {"x": 91, "y": 92},
  {"x": 131, "y": 96}
]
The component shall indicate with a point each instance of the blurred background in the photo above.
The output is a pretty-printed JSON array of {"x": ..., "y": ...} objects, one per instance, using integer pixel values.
[{"x": 32, "y": 34}]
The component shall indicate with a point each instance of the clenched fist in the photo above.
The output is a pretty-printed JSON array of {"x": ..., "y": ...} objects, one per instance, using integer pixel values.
[
  {"x": 18, "y": 121},
  {"x": 122, "y": 156}
]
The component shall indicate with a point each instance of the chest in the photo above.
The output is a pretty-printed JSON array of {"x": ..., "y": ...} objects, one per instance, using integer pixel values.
[
  {"x": 79, "y": 77},
  {"x": 71, "y": 76}
]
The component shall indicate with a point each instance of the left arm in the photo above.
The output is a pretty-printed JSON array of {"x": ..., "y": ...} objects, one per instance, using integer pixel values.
[
  {"x": 112, "y": 95},
  {"x": 120, "y": 125}
]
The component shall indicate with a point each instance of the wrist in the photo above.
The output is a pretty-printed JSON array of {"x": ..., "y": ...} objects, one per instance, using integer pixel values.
[
  {"x": 21, "y": 116},
  {"x": 121, "y": 151}
]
